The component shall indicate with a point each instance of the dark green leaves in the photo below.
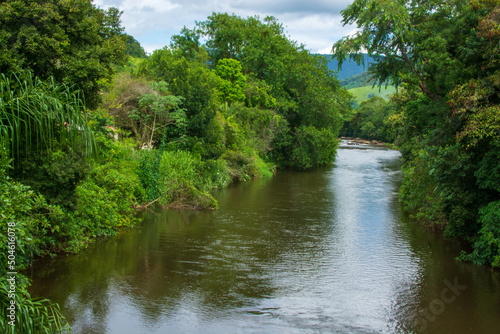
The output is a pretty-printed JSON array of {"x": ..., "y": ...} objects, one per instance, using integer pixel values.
[{"x": 72, "y": 41}]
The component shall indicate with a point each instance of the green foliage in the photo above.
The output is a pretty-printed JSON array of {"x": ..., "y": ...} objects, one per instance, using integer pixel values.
[
  {"x": 105, "y": 200},
  {"x": 32, "y": 315},
  {"x": 419, "y": 195},
  {"x": 180, "y": 183},
  {"x": 121, "y": 97},
  {"x": 30, "y": 219},
  {"x": 445, "y": 55},
  {"x": 258, "y": 94},
  {"x": 372, "y": 120},
  {"x": 72, "y": 41},
  {"x": 149, "y": 173},
  {"x": 133, "y": 47},
  {"x": 282, "y": 75},
  {"x": 245, "y": 165},
  {"x": 54, "y": 174},
  {"x": 157, "y": 110},
  {"x": 34, "y": 114},
  {"x": 215, "y": 174},
  {"x": 487, "y": 245},
  {"x": 233, "y": 82},
  {"x": 34, "y": 221},
  {"x": 190, "y": 79},
  {"x": 148, "y": 110},
  {"x": 188, "y": 44},
  {"x": 410, "y": 42},
  {"x": 313, "y": 147}
]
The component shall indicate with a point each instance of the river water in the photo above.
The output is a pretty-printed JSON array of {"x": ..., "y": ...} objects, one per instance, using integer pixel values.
[{"x": 324, "y": 251}]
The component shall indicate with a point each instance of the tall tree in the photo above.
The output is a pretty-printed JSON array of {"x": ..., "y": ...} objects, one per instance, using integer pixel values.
[
  {"x": 426, "y": 44},
  {"x": 307, "y": 94},
  {"x": 232, "y": 83},
  {"x": 133, "y": 47},
  {"x": 73, "y": 41}
]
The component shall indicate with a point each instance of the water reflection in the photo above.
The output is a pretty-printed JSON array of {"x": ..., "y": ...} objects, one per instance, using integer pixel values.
[{"x": 320, "y": 251}]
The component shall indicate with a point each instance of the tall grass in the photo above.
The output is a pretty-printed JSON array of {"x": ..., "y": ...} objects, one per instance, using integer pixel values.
[
  {"x": 34, "y": 113},
  {"x": 32, "y": 316}
]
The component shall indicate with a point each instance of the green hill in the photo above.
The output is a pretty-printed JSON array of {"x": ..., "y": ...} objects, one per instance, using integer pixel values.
[
  {"x": 355, "y": 81},
  {"x": 364, "y": 93},
  {"x": 349, "y": 68}
]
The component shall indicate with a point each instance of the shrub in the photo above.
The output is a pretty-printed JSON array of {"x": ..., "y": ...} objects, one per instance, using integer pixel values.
[
  {"x": 487, "y": 246},
  {"x": 180, "y": 182},
  {"x": 106, "y": 198},
  {"x": 313, "y": 147},
  {"x": 31, "y": 219},
  {"x": 148, "y": 171},
  {"x": 54, "y": 174},
  {"x": 419, "y": 194},
  {"x": 243, "y": 166},
  {"x": 216, "y": 174}
]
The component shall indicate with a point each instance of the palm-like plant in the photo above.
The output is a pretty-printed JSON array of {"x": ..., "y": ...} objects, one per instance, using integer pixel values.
[{"x": 34, "y": 113}]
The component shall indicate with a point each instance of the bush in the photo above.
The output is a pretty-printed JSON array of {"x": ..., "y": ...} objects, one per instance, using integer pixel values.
[
  {"x": 487, "y": 246},
  {"x": 180, "y": 182},
  {"x": 54, "y": 173},
  {"x": 32, "y": 220},
  {"x": 313, "y": 147},
  {"x": 148, "y": 171},
  {"x": 106, "y": 198},
  {"x": 216, "y": 174},
  {"x": 35, "y": 222},
  {"x": 243, "y": 166},
  {"x": 419, "y": 194}
]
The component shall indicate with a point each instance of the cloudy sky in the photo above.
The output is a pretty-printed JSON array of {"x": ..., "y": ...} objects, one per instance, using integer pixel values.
[{"x": 314, "y": 23}]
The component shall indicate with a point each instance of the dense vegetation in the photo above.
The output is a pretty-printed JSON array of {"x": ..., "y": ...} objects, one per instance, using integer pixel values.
[
  {"x": 444, "y": 56},
  {"x": 91, "y": 128},
  {"x": 374, "y": 119}
]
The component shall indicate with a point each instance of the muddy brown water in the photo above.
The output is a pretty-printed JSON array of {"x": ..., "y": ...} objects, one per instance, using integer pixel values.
[{"x": 323, "y": 251}]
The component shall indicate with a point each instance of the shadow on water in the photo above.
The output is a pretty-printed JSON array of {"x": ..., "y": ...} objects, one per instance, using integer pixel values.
[{"x": 327, "y": 250}]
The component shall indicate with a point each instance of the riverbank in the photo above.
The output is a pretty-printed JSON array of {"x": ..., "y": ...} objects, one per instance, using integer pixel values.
[{"x": 351, "y": 141}]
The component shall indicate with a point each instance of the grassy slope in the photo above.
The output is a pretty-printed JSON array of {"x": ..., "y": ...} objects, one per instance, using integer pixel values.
[{"x": 364, "y": 93}]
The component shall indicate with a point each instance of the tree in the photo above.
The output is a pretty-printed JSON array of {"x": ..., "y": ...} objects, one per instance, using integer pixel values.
[
  {"x": 233, "y": 82},
  {"x": 298, "y": 85},
  {"x": 190, "y": 79},
  {"x": 188, "y": 43},
  {"x": 426, "y": 44},
  {"x": 133, "y": 47},
  {"x": 74, "y": 42},
  {"x": 445, "y": 54},
  {"x": 155, "y": 112}
]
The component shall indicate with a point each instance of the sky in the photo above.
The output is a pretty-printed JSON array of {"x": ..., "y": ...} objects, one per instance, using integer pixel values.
[{"x": 314, "y": 23}]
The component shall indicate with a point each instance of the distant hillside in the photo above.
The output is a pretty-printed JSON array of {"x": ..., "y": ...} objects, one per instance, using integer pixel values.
[
  {"x": 364, "y": 93},
  {"x": 349, "y": 68},
  {"x": 358, "y": 80}
]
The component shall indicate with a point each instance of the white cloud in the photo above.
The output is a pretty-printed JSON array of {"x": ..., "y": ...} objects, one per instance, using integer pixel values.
[{"x": 315, "y": 23}]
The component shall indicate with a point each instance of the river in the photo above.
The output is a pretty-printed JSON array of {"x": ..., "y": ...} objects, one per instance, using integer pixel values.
[{"x": 323, "y": 251}]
